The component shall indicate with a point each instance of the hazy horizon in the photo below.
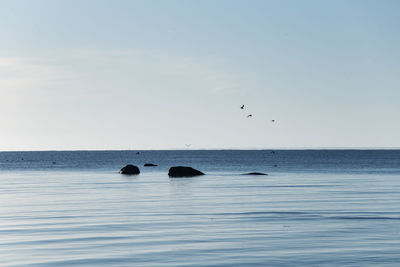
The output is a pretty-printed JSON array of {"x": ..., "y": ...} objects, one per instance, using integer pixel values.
[{"x": 214, "y": 149}]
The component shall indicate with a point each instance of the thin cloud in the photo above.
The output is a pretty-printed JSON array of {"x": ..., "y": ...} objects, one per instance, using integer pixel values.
[
  {"x": 205, "y": 74},
  {"x": 23, "y": 73}
]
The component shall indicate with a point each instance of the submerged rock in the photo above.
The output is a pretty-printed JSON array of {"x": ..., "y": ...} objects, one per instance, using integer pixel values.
[
  {"x": 130, "y": 169},
  {"x": 182, "y": 171},
  {"x": 150, "y": 165},
  {"x": 254, "y": 173}
]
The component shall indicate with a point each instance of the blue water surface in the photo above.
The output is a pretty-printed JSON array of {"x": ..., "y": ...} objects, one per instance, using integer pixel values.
[{"x": 315, "y": 208}]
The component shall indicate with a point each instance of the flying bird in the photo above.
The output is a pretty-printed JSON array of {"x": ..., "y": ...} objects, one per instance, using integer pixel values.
[
  {"x": 250, "y": 115},
  {"x": 242, "y": 107},
  {"x": 272, "y": 120}
]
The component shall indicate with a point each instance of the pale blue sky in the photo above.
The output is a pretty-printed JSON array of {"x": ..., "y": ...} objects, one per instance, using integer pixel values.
[{"x": 162, "y": 74}]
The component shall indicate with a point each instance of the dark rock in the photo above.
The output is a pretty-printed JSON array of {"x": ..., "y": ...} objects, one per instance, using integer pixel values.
[
  {"x": 150, "y": 165},
  {"x": 254, "y": 173},
  {"x": 129, "y": 169},
  {"x": 181, "y": 171}
]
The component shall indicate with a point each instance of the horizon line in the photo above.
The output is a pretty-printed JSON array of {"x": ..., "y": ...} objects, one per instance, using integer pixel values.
[{"x": 209, "y": 149}]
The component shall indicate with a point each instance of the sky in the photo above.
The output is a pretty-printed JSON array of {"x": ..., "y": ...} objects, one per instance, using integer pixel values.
[{"x": 83, "y": 75}]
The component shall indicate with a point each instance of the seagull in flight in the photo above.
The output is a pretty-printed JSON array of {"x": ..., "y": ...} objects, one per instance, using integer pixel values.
[
  {"x": 242, "y": 107},
  {"x": 250, "y": 115},
  {"x": 272, "y": 120}
]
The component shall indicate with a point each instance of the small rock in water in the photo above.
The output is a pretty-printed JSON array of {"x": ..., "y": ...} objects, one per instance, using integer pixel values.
[
  {"x": 254, "y": 173},
  {"x": 130, "y": 169},
  {"x": 150, "y": 165},
  {"x": 182, "y": 171}
]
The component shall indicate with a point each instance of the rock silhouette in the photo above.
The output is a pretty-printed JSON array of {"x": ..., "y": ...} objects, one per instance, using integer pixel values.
[
  {"x": 130, "y": 169},
  {"x": 182, "y": 171},
  {"x": 254, "y": 173},
  {"x": 150, "y": 165}
]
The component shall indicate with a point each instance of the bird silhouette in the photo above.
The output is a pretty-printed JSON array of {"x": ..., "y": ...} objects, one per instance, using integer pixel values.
[
  {"x": 242, "y": 107},
  {"x": 272, "y": 120},
  {"x": 250, "y": 115}
]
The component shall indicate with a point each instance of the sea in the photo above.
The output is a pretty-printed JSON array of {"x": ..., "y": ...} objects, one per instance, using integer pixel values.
[{"x": 314, "y": 208}]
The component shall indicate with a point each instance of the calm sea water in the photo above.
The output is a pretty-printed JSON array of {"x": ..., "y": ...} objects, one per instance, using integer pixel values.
[{"x": 315, "y": 208}]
